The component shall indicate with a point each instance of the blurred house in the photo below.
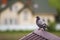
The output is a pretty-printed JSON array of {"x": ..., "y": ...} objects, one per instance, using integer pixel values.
[
  {"x": 20, "y": 13},
  {"x": 10, "y": 14}
]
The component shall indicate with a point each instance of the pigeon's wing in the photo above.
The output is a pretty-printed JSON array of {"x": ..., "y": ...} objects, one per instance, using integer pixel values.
[{"x": 41, "y": 22}]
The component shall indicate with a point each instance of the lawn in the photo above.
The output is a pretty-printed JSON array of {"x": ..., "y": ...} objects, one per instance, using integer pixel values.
[
  {"x": 15, "y": 35},
  {"x": 56, "y": 33}
]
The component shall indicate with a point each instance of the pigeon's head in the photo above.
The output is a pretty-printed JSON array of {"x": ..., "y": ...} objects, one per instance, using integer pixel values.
[{"x": 38, "y": 17}]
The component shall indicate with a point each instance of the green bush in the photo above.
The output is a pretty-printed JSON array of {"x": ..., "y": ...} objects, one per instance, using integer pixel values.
[{"x": 51, "y": 26}]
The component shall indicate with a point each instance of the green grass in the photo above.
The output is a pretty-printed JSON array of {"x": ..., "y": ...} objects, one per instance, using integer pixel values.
[
  {"x": 15, "y": 35},
  {"x": 56, "y": 33}
]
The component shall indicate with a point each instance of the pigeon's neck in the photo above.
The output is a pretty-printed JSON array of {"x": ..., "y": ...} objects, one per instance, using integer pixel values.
[{"x": 37, "y": 20}]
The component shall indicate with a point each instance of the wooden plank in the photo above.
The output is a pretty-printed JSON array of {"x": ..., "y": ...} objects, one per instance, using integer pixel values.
[
  {"x": 40, "y": 35},
  {"x": 46, "y": 35}
]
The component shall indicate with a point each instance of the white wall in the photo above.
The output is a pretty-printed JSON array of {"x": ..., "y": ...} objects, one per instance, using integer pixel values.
[{"x": 18, "y": 27}]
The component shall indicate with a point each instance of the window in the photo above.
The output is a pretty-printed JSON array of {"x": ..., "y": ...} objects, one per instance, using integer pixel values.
[
  {"x": 6, "y": 22},
  {"x": 15, "y": 8},
  {"x": 11, "y": 21},
  {"x": 15, "y": 21},
  {"x": 25, "y": 15}
]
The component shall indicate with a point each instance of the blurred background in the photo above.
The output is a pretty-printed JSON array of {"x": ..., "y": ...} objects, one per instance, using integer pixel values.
[{"x": 18, "y": 17}]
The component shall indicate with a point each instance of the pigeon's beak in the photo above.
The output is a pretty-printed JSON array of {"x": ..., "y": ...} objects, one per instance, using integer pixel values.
[{"x": 37, "y": 17}]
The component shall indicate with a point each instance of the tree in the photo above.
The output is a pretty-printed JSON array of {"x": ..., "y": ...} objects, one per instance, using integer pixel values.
[{"x": 56, "y": 4}]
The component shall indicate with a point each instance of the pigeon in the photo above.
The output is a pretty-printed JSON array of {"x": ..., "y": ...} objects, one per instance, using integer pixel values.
[{"x": 41, "y": 23}]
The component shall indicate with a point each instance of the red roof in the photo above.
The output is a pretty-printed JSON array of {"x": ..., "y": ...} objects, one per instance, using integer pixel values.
[{"x": 4, "y": 1}]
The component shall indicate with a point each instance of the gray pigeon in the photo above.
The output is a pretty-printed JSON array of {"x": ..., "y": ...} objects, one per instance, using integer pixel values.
[{"x": 41, "y": 23}]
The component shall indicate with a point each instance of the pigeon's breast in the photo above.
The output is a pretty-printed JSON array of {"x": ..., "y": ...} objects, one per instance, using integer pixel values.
[{"x": 40, "y": 22}]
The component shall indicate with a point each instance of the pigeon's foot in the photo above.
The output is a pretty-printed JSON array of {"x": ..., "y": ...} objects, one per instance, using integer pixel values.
[{"x": 41, "y": 29}]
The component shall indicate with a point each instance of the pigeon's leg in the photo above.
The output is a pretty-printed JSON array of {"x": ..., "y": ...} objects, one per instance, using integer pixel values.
[
  {"x": 44, "y": 28},
  {"x": 41, "y": 29}
]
